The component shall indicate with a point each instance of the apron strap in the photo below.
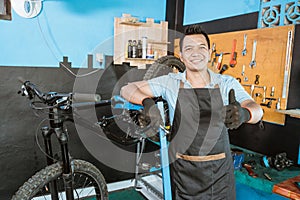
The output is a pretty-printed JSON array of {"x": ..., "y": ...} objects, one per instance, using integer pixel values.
[{"x": 201, "y": 158}]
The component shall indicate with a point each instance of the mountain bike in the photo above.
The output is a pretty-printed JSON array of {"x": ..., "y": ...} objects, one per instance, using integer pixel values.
[
  {"x": 78, "y": 179},
  {"x": 67, "y": 178}
]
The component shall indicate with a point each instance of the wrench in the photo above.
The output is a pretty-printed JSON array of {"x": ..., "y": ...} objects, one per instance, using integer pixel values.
[
  {"x": 243, "y": 70},
  {"x": 243, "y": 74},
  {"x": 253, "y": 62},
  {"x": 244, "y": 51}
]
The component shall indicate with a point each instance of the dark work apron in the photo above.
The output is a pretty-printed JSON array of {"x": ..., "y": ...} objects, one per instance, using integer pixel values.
[{"x": 202, "y": 166}]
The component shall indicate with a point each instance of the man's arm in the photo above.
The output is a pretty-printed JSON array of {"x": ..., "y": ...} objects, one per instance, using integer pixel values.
[
  {"x": 140, "y": 93},
  {"x": 255, "y": 110},
  {"x": 136, "y": 92}
]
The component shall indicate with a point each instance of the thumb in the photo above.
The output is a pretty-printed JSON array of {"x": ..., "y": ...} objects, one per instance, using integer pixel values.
[{"x": 231, "y": 96}]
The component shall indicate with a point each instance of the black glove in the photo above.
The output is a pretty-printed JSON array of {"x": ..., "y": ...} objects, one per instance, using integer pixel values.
[
  {"x": 151, "y": 117},
  {"x": 235, "y": 114}
]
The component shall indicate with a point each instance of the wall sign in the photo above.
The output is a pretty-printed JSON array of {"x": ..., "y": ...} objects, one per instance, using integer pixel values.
[{"x": 5, "y": 9}]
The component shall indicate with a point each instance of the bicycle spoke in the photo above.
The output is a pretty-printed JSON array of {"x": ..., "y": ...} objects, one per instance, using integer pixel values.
[{"x": 84, "y": 185}]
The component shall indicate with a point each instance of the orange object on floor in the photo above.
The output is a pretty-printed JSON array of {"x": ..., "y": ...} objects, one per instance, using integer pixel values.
[{"x": 288, "y": 188}]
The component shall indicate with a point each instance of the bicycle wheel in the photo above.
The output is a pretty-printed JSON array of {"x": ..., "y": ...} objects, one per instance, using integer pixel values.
[
  {"x": 88, "y": 183},
  {"x": 163, "y": 66}
]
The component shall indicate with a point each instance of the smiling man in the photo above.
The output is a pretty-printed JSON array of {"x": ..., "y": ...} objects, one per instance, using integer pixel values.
[{"x": 202, "y": 106}]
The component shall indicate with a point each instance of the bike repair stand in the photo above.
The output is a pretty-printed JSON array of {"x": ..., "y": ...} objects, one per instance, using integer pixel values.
[
  {"x": 164, "y": 157},
  {"x": 164, "y": 163}
]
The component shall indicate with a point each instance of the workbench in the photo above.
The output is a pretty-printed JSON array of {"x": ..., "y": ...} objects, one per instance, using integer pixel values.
[{"x": 282, "y": 182}]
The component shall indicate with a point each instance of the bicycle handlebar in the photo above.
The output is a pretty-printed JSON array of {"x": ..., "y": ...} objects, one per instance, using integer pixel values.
[
  {"x": 86, "y": 97},
  {"x": 30, "y": 90},
  {"x": 68, "y": 102}
]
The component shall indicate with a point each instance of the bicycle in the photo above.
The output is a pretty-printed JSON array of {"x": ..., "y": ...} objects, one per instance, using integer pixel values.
[
  {"x": 57, "y": 180},
  {"x": 69, "y": 178}
]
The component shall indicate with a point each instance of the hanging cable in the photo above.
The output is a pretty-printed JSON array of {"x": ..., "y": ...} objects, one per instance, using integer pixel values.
[{"x": 62, "y": 64}]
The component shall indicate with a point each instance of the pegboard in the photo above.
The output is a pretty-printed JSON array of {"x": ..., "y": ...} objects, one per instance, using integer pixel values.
[
  {"x": 273, "y": 62},
  {"x": 267, "y": 81}
]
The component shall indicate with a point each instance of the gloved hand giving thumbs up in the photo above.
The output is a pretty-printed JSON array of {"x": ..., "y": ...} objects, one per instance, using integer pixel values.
[{"x": 235, "y": 114}]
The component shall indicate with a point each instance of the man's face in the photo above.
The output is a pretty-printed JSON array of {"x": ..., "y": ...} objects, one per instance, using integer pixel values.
[{"x": 195, "y": 53}]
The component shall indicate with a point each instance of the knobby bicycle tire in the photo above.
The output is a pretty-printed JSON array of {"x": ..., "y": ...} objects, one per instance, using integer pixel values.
[
  {"x": 163, "y": 66},
  {"x": 39, "y": 182}
]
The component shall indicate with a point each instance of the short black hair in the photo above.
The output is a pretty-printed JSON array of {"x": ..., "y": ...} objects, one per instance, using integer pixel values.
[{"x": 192, "y": 30}]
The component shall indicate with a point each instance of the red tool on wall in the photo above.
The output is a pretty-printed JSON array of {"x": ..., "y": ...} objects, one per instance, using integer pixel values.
[
  {"x": 232, "y": 61},
  {"x": 219, "y": 63}
]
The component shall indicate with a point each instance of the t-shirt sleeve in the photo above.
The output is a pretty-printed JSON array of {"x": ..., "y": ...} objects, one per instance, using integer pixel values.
[{"x": 159, "y": 85}]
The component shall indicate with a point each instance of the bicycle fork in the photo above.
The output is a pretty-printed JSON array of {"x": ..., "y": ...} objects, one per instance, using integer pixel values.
[{"x": 67, "y": 173}]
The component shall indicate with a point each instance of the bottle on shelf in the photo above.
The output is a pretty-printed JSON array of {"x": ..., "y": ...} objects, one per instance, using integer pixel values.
[
  {"x": 144, "y": 47},
  {"x": 139, "y": 49},
  {"x": 134, "y": 49},
  {"x": 150, "y": 54},
  {"x": 129, "y": 49}
]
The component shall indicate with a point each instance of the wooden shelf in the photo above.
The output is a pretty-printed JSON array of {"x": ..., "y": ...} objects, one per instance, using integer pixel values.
[
  {"x": 158, "y": 42},
  {"x": 141, "y": 59},
  {"x": 130, "y": 28},
  {"x": 293, "y": 112},
  {"x": 132, "y": 23}
]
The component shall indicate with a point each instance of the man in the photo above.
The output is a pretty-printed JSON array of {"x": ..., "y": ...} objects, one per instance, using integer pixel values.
[{"x": 201, "y": 162}]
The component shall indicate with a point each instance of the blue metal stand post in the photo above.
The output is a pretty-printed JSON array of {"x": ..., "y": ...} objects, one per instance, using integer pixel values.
[{"x": 164, "y": 159}]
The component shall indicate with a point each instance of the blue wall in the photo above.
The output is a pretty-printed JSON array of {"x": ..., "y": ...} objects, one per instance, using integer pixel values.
[
  {"x": 196, "y": 11},
  {"x": 72, "y": 28}
]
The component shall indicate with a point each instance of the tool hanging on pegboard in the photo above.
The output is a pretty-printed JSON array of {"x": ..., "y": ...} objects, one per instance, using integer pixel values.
[
  {"x": 233, "y": 61},
  {"x": 287, "y": 63},
  {"x": 244, "y": 51},
  {"x": 253, "y": 61}
]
